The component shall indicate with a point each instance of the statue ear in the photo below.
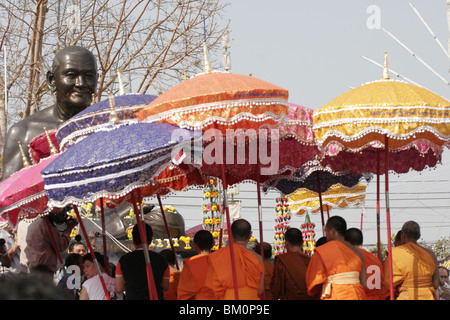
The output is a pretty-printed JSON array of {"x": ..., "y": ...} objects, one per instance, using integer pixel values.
[{"x": 51, "y": 81}]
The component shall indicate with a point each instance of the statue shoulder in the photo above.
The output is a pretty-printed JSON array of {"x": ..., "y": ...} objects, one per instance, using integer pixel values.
[{"x": 36, "y": 122}]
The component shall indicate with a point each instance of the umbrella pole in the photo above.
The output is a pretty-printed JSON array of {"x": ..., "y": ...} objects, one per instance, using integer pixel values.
[
  {"x": 378, "y": 206},
  {"x": 227, "y": 211},
  {"x": 91, "y": 251},
  {"x": 261, "y": 251},
  {"x": 55, "y": 246},
  {"x": 221, "y": 230},
  {"x": 321, "y": 204},
  {"x": 388, "y": 217},
  {"x": 167, "y": 229},
  {"x": 105, "y": 257},
  {"x": 142, "y": 232}
]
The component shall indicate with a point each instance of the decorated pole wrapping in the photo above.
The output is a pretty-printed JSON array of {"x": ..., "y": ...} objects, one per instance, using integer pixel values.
[
  {"x": 282, "y": 218},
  {"x": 212, "y": 215},
  {"x": 308, "y": 233}
]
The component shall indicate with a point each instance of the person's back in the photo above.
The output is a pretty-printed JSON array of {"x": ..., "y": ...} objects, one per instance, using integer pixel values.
[
  {"x": 193, "y": 275},
  {"x": 249, "y": 271},
  {"x": 413, "y": 270},
  {"x": 249, "y": 267},
  {"x": 95, "y": 291},
  {"x": 374, "y": 269},
  {"x": 193, "y": 278},
  {"x": 289, "y": 277},
  {"x": 337, "y": 267},
  {"x": 132, "y": 267},
  {"x": 375, "y": 289},
  {"x": 335, "y": 258}
]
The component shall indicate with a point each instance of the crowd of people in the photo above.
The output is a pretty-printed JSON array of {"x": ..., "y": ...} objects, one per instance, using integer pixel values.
[{"x": 338, "y": 269}]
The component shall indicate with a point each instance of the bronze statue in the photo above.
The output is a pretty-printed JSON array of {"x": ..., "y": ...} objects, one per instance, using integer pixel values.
[{"x": 73, "y": 80}]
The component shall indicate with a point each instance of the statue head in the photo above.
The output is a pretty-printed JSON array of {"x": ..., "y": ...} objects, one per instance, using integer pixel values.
[{"x": 73, "y": 79}]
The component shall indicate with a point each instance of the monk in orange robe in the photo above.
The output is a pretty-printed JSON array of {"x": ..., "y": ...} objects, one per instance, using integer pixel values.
[
  {"x": 336, "y": 267},
  {"x": 248, "y": 264},
  {"x": 171, "y": 293},
  {"x": 289, "y": 277},
  {"x": 268, "y": 268},
  {"x": 375, "y": 289},
  {"x": 414, "y": 268},
  {"x": 193, "y": 276}
]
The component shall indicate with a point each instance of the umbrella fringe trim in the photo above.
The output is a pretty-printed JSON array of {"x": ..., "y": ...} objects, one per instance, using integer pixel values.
[
  {"x": 214, "y": 106},
  {"x": 405, "y": 136},
  {"x": 79, "y": 135}
]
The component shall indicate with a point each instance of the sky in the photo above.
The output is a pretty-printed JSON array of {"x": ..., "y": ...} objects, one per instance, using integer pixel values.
[{"x": 315, "y": 50}]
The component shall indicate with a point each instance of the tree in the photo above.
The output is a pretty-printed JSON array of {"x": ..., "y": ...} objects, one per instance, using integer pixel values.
[{"x": 153, "y": 44}]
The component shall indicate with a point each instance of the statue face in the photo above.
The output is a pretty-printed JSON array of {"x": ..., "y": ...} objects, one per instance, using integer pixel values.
[{"x": 75, "y": 80}]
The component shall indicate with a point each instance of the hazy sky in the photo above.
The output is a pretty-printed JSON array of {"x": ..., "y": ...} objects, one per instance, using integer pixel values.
[{"x": 314, "y": 49}]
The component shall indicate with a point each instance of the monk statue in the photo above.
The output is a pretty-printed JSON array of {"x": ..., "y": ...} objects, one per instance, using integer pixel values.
[{"x": 73, "y": 81}]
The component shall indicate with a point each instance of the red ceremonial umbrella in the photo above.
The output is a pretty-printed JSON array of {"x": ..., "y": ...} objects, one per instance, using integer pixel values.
[{"x": 226, "y": 107}]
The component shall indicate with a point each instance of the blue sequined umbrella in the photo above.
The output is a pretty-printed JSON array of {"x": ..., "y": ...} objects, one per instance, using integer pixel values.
[
  {"x": 112, "y": 163},
  {"x": 99, "y": 115}
]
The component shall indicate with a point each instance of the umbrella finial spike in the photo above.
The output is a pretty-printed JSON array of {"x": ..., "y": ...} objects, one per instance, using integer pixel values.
[
  {"x": 50, "y": 143},
  {"x": 92, "y": 98},
  {"x": 207, "y": 67},
  {"x": 385, "y": 69},
  {"x": 121, "y": 87},
  {"x": 113, "y": 117},
  {"x": 25, "y": 161}
]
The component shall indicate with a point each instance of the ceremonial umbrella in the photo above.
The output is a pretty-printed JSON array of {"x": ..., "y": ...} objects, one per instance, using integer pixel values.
[
  {"x": 315, "y": 179},
  {"x": 22, "y": 195},
  {"x": 411, "y": 124},
  {"x": 336, "y": 196},
  {"x": 116, "y": 109},
  {"x": 226, "y": 106},
  {"x": 111, "y": 164}
]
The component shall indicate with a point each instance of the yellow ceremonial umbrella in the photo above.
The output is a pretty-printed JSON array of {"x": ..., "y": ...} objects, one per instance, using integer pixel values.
[
  {"x": 409, "y": 123},
  {"x": 337, "y": 196}
]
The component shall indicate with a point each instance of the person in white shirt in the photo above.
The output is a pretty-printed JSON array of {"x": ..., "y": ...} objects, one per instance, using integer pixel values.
[{"x": 92, "y": 288}]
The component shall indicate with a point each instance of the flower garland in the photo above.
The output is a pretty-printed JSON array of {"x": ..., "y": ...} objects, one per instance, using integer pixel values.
[
  {"x": 212, "y": 215},
  {"x": 282, "y": 218},
  {"x": 308, "y": 233}
]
